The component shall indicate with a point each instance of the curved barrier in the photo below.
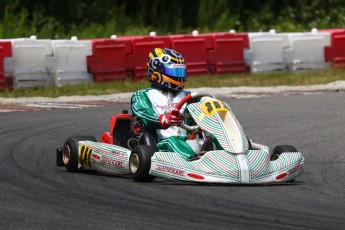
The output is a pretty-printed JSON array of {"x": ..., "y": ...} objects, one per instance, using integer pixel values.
[
  {"x": 307, "y": 51},
  {"x": 68, "y": 64},
  {"x": 141, "y": 46},
  {"x": 107, "y": 61},
  {"x": 194, "y": 49},
  {"x": 31, "y": 62},
  {"x": 266, "y": 52},
  {"x": 335, "y": 53},
  {"x": 5, "y": 51},
  {"x": 40, "y": 62},
  {"x": 227, "y": 55}
]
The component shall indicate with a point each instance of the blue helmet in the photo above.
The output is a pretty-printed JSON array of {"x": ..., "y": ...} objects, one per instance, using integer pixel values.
[{"x": 166, "y": 67}]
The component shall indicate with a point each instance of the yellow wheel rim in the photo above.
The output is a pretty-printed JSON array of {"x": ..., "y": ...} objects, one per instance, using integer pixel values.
[
  {"x": 134, "y": 162},
  {"x": 66, "y": 155},
  {"x": 275, "y": 157}
]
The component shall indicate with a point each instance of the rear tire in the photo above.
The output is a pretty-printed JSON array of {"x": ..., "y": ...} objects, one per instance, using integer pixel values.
[
  {"x": 279, "y": 149},
  {"x": 140, "y": 163},
  {"x": 70, "y": 151}
]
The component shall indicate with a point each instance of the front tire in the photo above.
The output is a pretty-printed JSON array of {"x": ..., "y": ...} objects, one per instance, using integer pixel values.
[
  {"x": 279, "y": 149},
  {"x": 140, "y": 163},
  {"x": 70, "y": 151}
]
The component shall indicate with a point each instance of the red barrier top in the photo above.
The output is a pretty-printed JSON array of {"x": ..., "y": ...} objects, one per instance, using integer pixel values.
[
  {"x": 108, "y": 59},
  {"x": 228, "y": 52},
  {"x": 5, "y": 51},
  {"x": 141, "y": 47},
  {"x": 336, "y": 52},
  {"x": 194, "y": 50}
]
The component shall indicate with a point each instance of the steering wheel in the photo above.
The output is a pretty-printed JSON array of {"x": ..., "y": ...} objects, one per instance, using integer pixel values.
[{"x": 187, "y": 99}]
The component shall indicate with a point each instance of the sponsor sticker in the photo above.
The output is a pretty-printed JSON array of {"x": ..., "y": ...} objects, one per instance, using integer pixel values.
[
  {"x": 295, "y": 169},
  {"x": 95, "y": 156},
  {"x": 170, "y": 170},
  {"x": 177, "y": 66},
  {"x": 115, "y": 163},
  {"x": 117, "y": 153},
  {"x": 281, "y": 176},
  {"x": 196, "y": 176},
  {"x": 212, "y": 106}
]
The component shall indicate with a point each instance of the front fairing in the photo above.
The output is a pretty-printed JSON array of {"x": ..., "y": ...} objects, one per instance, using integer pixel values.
[{"x": 216, "y": 117}]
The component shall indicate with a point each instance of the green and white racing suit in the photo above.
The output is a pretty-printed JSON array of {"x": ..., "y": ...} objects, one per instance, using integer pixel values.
[{"x": 148, "y": 104}]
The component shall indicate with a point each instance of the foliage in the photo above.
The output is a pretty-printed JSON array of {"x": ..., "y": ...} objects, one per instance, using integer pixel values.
[{"x": 103, "y": 18}]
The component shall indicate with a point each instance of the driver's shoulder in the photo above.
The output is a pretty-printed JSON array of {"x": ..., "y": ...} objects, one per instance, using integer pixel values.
[{"x": 141, "y": 92}]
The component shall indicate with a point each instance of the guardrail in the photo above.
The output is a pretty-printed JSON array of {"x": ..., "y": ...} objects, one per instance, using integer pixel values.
[{"x": 32, "y": 62}]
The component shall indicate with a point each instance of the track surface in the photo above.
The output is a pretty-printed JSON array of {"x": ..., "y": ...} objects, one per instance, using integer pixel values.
[{"x": 35, "y": 194}]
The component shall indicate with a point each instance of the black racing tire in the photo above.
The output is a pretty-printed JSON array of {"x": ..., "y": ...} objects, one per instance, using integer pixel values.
[
  {"x": 140, "y": 163},
  {"x": 279, "y": 149},
  {"x": 70, "y": 151}
]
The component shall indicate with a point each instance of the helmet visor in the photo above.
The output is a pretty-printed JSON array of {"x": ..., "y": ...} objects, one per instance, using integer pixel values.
[{"x": 175, "y": 70}]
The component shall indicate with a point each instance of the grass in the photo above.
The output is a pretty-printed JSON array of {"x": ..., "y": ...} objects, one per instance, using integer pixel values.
[{"x": 226, "y": 80}]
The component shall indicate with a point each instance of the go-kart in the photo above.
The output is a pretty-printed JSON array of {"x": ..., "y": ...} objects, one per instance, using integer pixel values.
[{"x": 130, "y": 148}]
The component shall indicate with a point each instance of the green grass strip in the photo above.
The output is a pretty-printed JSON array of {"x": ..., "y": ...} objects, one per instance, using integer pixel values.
[{"x": 223, "y": 80}]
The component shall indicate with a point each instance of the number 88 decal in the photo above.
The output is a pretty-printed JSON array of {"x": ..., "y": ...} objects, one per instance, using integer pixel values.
[{"x": 211, "y": 107}]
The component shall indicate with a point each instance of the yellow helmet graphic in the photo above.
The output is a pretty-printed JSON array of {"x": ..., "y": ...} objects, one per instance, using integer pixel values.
[{"x": 166, "y": 67}]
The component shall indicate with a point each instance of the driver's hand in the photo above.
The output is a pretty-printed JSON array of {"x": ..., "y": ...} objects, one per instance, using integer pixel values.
[{"x": 173, "y": 118}]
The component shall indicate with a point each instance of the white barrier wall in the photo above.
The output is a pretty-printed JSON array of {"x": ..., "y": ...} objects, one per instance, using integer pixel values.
[
  {"x": 307, "y": 51},
  {"x": 29, "y": 62},
  {"x": 68, "y": 65},
  {"x": 266, "y": 52},
  {"x": 41, "y": 62},
  {"x": 270, "y": 51}
]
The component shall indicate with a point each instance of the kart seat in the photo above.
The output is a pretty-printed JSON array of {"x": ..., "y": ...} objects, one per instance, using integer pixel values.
[{"x": 123, "y": 131}]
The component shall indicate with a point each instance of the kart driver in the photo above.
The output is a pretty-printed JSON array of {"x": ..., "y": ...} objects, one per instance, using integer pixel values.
[{"x": 154, "y": 106}]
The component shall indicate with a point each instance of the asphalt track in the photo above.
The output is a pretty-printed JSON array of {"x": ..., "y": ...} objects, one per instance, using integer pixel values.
[{"x": 35, "y": 194}]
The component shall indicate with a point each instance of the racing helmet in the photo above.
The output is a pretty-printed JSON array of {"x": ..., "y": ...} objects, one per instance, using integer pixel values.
[{"x": 166, "y": 68}]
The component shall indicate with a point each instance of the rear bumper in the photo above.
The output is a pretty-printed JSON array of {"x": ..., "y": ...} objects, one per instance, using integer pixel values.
[{"x": 59, "y": 161}]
